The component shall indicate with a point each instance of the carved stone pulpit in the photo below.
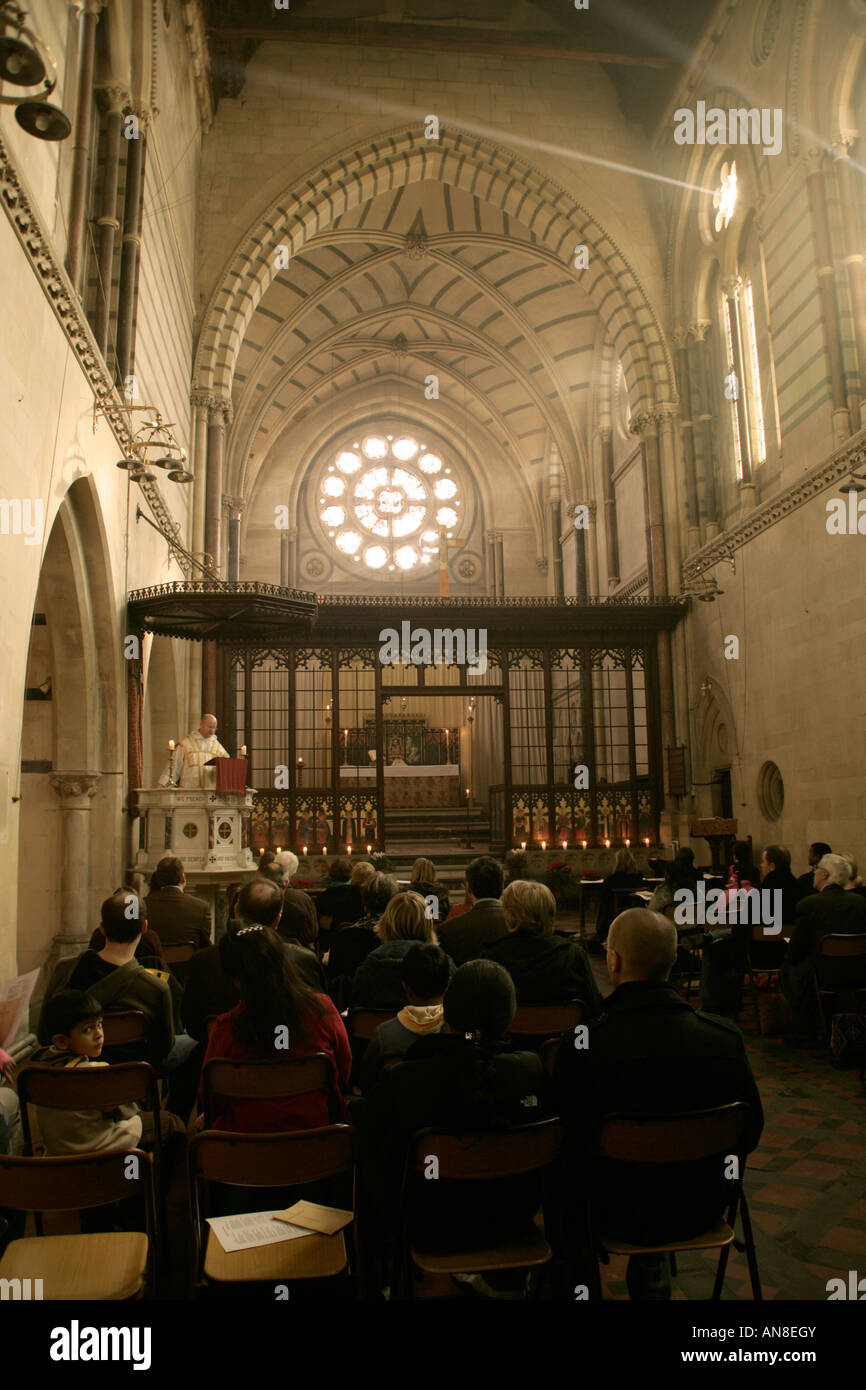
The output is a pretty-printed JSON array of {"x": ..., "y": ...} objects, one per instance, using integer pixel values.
[{"x": 719, "y": 834}]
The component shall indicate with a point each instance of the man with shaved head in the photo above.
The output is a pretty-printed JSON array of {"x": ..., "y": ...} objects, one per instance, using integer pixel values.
[{"x": 650, "y": 1053}]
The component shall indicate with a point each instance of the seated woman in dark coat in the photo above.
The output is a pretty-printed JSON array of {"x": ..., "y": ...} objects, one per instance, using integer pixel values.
[
  {"x": 467, "y": 1080},
  {"x": 626, "y": 874},
  {"x": 423, "y": 881},
  {"x": 379, "y": 981},
  {"x": 353, "y": 944},
  {"x": 546, "y": 969}
]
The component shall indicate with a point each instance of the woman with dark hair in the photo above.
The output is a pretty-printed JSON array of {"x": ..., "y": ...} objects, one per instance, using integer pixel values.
[
  {"x": 353, "y": 944},
  {"x": 743, "y": 873},
  {"x": 278, "y": 1017},
  {"x": 466, "y": 1080}
]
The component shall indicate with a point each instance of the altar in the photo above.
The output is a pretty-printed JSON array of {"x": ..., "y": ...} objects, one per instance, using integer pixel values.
[{"x": 410, "y": 784}]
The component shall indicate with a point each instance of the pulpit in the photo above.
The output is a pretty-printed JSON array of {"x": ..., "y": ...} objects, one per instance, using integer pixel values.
[
  {"x": 719, "y": 834},
  {"x": 231, "y": 775}
]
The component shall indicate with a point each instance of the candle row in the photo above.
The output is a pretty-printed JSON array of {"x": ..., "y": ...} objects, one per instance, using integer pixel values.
[{"x": 584, "y": 843}]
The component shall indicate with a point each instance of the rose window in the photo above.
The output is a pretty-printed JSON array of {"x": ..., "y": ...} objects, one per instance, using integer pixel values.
[{"x": 384, "y": 501}]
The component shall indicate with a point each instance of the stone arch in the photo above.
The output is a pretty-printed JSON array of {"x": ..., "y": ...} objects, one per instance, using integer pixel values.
[
  {"x": 464, "y": 160},
  {"x": 71, "y": 810}
]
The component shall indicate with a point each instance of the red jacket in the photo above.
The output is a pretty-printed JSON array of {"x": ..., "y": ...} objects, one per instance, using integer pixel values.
[{"x": 322, "y": 1033}]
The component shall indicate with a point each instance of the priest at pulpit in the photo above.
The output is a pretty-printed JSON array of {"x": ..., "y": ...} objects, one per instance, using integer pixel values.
[{"x": 188, "y": 765}]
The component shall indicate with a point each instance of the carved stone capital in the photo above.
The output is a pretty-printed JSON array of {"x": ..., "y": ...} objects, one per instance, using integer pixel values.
[
  {"x": 666, "y": 412},
  {"x": 843, "y": 143},
  {"x": 699, "y": 329},
  {"x": 680, "y": 337},
  {"x": 541, "y": 563},
  {"x": 604, "y": 433},
  {"x": 732, "y": 285},
  {"x": 235, "y": 506},
  {"x": 643, "y": 423},
  {"x": 75, "y": 787}
]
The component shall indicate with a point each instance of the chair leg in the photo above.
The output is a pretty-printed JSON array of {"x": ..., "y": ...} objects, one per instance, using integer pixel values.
[
  {"x": 673, "y": 1264},
  {"x": 720, "y": 1274},
  {"x": 751, "y": 1253}
]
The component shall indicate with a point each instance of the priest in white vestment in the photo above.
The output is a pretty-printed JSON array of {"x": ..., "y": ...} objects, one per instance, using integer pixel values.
[{"x": 187, "y": 766}]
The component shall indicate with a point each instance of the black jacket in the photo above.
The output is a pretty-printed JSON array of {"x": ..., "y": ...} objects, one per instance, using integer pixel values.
[
  {"x": 785, "y": 882},
  {"x": 547, "y": 969},
  {"x": 177, "y": 916},
  {"x": 299, "y": 921},
  {"x": 453, "y": 1085},
  {"x": 341, "y": 903},
  {"x": 652, "y": 1053},
  {"x": 465, "y": 937},
  {"x": 436, "y": 891},
  {"x": 378, "y": 982},
  {"x": 209, "y": 990},
  {"x": 832, "y": 910},
  {"x": 607, "y": 903}
]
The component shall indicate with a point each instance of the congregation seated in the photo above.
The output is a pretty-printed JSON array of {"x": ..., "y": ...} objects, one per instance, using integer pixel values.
[
  {"x": 340, "y": 903},
  {"x": 650, "y": 1052},
  {"x": 626, "y": 874},
  {"x": 426, "y": 972},
  {"x": 423, "y": 880},
  {"x": 829, "y": 910},
  {"x": 174, "y": 915},
  {"x": 776, "y": 876},
  {"x": 855, "y": 883},
  {"x": 117, "y": 980},
  {"x": 378, "y": 982},
  {"x": 545, "y": 968},
  {"x": 299, "y": 921},
  {"x": 677, "y": 875},
  {"x": 465, "y": 936},
  {"x": 806, "y": 881},
  {"x": 273, "y": 997},
  {"x": 466, "y": 1080},
  {"x": 209, "y": 990},
  {"x": 353, "y": 944},
  {"x": 148, "y": 947}
]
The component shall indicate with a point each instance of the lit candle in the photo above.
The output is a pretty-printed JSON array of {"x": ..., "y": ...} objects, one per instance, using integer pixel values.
[
  {"x": 305, "y": 849},
  {"x": 279, "y": 849},
  {"x": 243, "y": 750},
  {"x": 544, "y": 844},
  {"x": 171, "y": 745},
  {"x": 369, "y": 847},
  {"x": 584, "y": 844},
  {"x": 348, "y": 849},
  {"x": 262, "y": 850},
  {"x": 565, "y": 844},
  {"x": 647, "y": 841},
  {"x": 607, "y": 844},
  {"x": 523, "y": 844},
  {"x": 627, "y": 843}
]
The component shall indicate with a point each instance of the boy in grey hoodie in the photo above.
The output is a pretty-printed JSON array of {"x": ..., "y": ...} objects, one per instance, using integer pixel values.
[{"x": 425, "y": 974}]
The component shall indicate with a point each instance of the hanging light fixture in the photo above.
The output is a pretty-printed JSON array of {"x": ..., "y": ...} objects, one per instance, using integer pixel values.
[
  {"x": 26, "y": 61},
  {"x": 154, "y": 444}
]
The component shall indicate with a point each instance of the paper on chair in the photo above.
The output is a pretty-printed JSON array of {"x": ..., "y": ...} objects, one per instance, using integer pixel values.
[
  {"x": 312, "y": 1216},
  {"x": 250, "y": 1229}
]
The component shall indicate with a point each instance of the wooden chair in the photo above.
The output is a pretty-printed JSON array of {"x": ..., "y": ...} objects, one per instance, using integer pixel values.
[
  {"x": 690, "y": 937},
  {"x": 683, "y": 1138},
  {"x": 477, "y": 1158},
  {"x": 177, "y": 957},
  {"x": 125, "y": 1026},
  {"x": 838, "y": 946},
  {"x": 268, "y": 1160},
  {"x": 94, "y": 1267},
  {"x": 546, "y": 1020},
  {"x": 278, "y": 1080},
  {"x": 759, "y": 936},
  {"x": 93, "y": 1088},
  {"x": 364, "y": 1022}
]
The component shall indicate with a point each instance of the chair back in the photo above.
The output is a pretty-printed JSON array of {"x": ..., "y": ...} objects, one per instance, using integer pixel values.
[
  {"x": 179, "y": 952},
  {"x": 86, "y": 1088},
  {"x": 546, "y": 1020},
  {"x": 364, "y": 1022},
  {"x": 125, "y": 1026},
  {"x": 76, "y": 1181},
  {"x": 673, "y": 1138},
  {"x": 287, "y": 1159},
  {"x": 504, "y": 1154},
  {"x": 277, "y": 1080},
  {"x": 770, "y": 934},
  {"x": 849, "y": 944}
]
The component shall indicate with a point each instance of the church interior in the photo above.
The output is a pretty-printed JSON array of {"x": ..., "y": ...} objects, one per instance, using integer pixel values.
[{"x": 432, "y": 562}]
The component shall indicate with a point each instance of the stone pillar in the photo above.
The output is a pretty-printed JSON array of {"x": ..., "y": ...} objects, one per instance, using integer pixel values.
[
  {"x": 75, "y": 790},
  {"x": 556, "y": 522},
  {"x": 234, "y": 507},
  {"x": 611, "y": 532},
  {"x": 827, "y": 293},
  {"x": 684, "y": 384},
  {"x": 708, "y": 505},
  {"x": 855, "y": 264},
  {"x": 666, "y": 413},
  {"x": 491, "y": 564},
  {"x": 130, "y": 251},
  {"x": 115, "y": 98},
  {"x": 284, "y": 560},
  {"x": 500, "y": 563},
  {"x": 219, "y": 411},
  {"x": 81, "y": 142}
]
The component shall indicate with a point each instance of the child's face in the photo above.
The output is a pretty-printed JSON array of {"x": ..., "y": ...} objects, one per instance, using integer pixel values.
[{"x": 85, "y": 1038}]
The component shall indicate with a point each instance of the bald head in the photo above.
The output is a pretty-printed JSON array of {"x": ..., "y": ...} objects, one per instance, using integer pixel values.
[
  {"x": 641, "y": 945},
  {"x": 260, "y": 901},
  {"x": 207, "y": 726}
]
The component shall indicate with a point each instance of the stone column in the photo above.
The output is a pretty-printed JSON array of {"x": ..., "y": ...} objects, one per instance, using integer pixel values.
[
  {"x": 500, "y": 562},
  {"x": 827, "y": 293},
  {"x": 684, "y": 383},
  {"x": 708, "y": 507},
  {"x": 556, "y": 522},
  {"x": 81, "y": 152},
  {"x": 219, "y": 411},
  {"x": 234, "y": 507},
  {"x": 611, "y": 532},
  {"x": 855, "y": 263},
  {"x": 491, "y": 564},
  {"x": 114, "y": 98},
  {"x": 75, "y": 790}
]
